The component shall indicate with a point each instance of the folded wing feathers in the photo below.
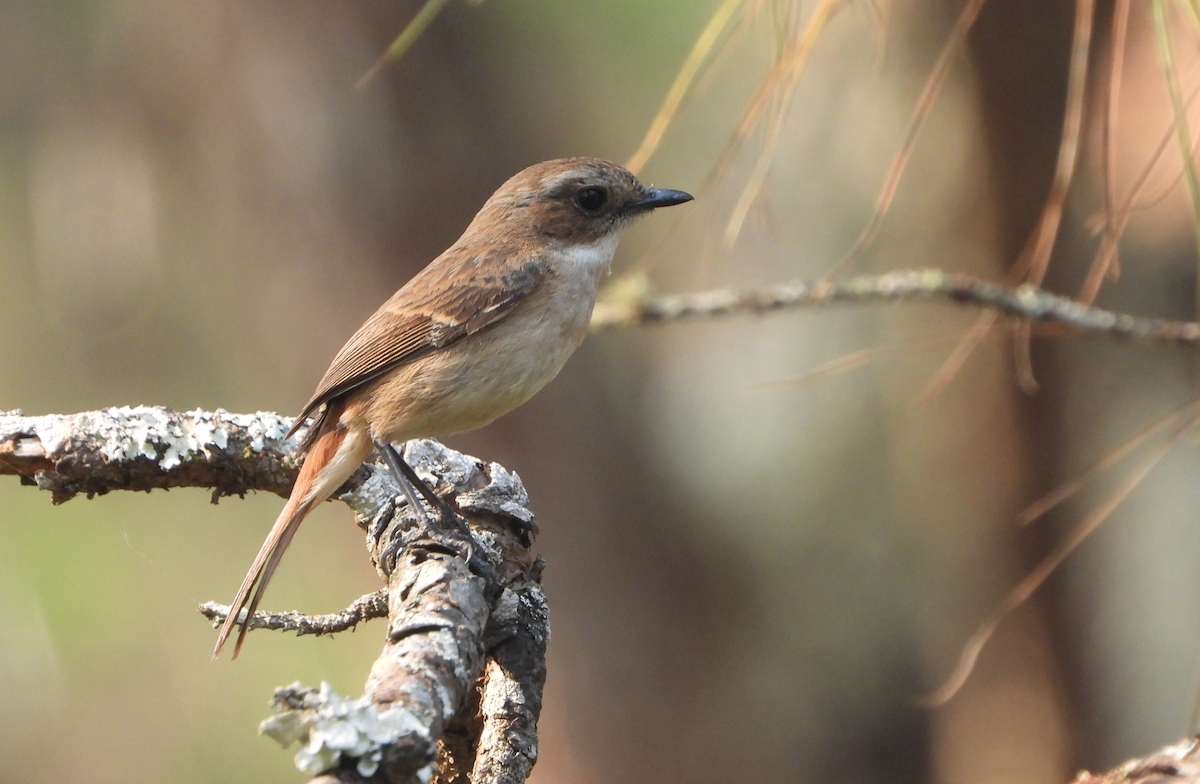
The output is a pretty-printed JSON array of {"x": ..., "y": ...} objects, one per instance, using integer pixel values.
[{"x": 393, "y": 336}]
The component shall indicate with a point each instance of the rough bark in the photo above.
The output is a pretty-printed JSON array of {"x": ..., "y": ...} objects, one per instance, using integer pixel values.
[{"x": 456, "y": 693}]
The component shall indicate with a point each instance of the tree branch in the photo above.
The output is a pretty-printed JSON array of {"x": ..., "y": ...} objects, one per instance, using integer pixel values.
[
  {"x": 443, "y": 619},
  {"x": 364, "y": 608},
  {"x": 459, "y": 683},
  {"x": 1025, "y": 302},
  {"x": 145, "y": 448}
]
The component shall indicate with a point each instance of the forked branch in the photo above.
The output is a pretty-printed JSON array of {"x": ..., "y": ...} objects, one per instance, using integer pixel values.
[{"x": 457, "y": 691}]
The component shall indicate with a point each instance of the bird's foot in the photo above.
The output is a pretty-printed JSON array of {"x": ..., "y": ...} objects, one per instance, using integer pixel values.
[
  {"x": 445, "y": 533},
  {"x": 443, "y": 527}
]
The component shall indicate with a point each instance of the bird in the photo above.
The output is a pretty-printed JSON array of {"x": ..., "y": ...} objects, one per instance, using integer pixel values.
[{"x": 470, "y": 337}]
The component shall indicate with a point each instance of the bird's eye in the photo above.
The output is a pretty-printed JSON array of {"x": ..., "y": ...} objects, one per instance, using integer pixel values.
[{"x": 591, "y": 199}]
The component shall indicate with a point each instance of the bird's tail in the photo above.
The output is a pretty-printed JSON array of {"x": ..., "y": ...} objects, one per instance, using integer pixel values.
[{"x": 332, "y": 458}]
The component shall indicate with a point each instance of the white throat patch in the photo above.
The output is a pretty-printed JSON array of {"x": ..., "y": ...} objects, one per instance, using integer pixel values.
[{"x": 592, "y": 255}]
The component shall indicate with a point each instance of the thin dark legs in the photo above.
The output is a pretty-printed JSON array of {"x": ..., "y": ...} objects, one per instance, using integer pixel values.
[{"x": 411, "y": 484}]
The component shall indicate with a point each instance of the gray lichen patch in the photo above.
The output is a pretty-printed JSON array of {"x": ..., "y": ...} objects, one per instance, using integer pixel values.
[
  {"x": 150, "y": 432},
  {"x": 143, "y": 447},
  {"x": 503, "y": 495},
  {"x": 434, "y": 462},
  {"x": 332, "y": 728}
]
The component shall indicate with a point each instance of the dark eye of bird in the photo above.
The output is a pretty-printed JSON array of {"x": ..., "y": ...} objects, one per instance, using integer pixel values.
[{"x": 591, "y": 199}]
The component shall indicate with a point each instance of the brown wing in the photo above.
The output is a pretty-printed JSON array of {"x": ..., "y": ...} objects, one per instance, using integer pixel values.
[{"x": 423, "y": 317}]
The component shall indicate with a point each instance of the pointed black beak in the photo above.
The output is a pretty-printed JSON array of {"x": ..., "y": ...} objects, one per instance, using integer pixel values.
[{"x": 656, "y": 197}]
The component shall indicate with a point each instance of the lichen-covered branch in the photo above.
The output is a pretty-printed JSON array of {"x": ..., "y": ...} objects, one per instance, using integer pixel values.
[
  {"x": 1024, "y": 302},
  {"x": 145, "y": 448},
  {"x": 425, "y": 693},
  {"x": 455, "y": 695}
]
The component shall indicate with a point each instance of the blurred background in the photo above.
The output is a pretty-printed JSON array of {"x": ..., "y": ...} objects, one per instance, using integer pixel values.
[{"x": 752, "y": 576}]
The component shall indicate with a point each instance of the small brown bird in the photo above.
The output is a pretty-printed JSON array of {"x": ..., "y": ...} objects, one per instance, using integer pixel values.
[{"x": 471, "y": 337}]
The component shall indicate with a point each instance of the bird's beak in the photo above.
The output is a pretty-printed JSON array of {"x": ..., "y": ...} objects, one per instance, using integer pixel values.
[{"x": 656, "y": 197}]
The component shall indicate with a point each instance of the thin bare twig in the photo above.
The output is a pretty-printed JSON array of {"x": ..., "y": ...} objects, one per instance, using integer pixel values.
[
  {"x": 364, "y": 608},
  {"x": 1024, "y": 302}
]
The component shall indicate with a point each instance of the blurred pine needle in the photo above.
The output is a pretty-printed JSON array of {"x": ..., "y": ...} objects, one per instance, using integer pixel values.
[{"x": 408, "y": 36}]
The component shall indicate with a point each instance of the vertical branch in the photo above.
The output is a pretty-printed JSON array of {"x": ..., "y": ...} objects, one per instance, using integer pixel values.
[{"x": 458, "y": 685}]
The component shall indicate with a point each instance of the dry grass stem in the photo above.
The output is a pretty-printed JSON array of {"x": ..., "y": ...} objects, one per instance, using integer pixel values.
[
  {"x": 967, "y": 344},
  {"x": 775, "y": 93},
  {"x": 1032, "y": 265},
  {"x": 701, "y": 49},
  {"x": 1064, "y": 491},
  {"x": 1025, "y": 588},
  {"x": 1107, "y": 262},
  {"x": 408, "y": 36},
  {"x": 1166, "y": 53},
  {"x": 855, "y": 360},
  {"x": 933, "y": 85}
]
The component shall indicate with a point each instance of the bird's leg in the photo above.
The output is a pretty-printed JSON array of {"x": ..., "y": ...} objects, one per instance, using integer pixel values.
[
  {"x": 394, "y": 461},
  {"x": 411, "y": 484}
]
